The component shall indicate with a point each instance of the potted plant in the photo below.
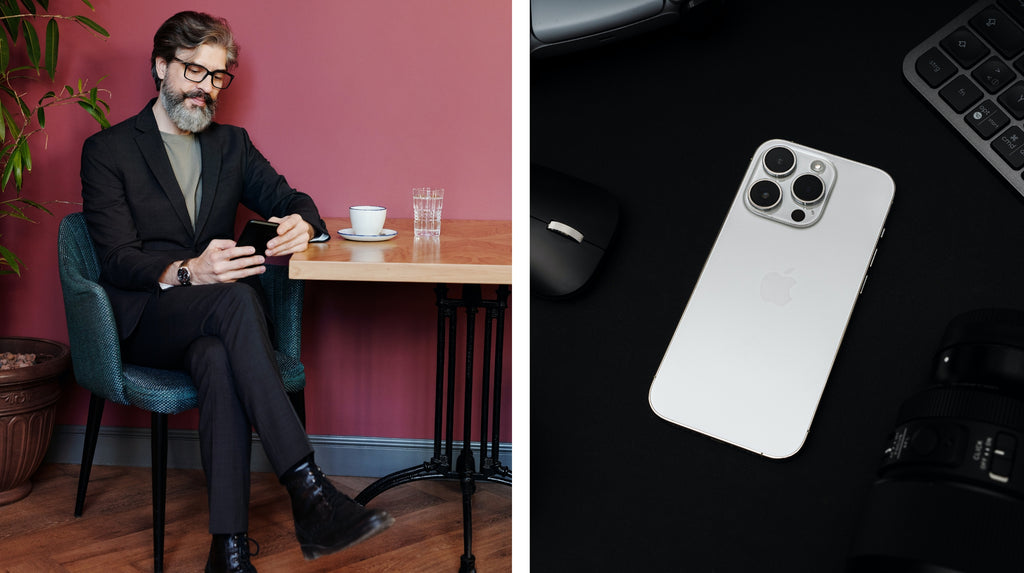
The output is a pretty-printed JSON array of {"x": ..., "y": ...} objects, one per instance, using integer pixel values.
[{"x": 31, "y": 369}]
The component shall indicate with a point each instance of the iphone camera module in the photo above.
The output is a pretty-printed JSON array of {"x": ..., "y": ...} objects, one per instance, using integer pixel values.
[{"x": 789, "y": 185}]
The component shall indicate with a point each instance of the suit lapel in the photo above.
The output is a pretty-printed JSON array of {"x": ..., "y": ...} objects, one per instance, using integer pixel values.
[
  {"x": 151, "y": 145},
  {"x": 211, "y": 176}
]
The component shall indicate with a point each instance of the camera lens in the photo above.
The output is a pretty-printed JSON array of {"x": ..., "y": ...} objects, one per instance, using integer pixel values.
[
  {"x": 765, "y": 194},
  {"x": 808, "y": 188},
  {"x": 779, "y": 161},
  {"x": 950, "y": 491}
]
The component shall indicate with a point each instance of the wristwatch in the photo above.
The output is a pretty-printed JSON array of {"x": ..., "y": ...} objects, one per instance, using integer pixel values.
[{"x": 184, "y": 275}]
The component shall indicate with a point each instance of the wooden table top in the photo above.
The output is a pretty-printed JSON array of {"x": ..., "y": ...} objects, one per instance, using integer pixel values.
[{"x": 467, "y": 252}]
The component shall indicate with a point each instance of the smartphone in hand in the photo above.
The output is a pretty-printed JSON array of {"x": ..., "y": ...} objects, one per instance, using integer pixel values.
[{"x": 256, "y": 234}]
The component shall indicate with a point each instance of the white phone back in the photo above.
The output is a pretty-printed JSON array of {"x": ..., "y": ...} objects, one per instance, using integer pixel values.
[{"x": 750, "y": 371}]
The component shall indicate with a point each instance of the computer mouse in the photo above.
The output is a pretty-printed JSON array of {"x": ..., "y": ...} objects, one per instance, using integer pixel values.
[
  {"x": 561, "y": 26},
  {"x": 572, "y": 224}
]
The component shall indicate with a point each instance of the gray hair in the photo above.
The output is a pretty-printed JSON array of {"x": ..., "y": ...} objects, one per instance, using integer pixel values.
[{"x": 189, "y": 30}]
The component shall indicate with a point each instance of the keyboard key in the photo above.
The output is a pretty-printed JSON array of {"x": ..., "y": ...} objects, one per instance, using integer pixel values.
[
  {"x": 1015, "y": 8},
  {"x": 966, "y": 48},
  {"x": 934, "y": 68},
  {"x": 1010, "y": 146},
  {"x": 960, "y": 93},
  {"x": 993, "y": 75},
  {"x": 999, "y": 29},
  {"x": 1013, "y": 100},
  {"x": 986, "y": 119}
]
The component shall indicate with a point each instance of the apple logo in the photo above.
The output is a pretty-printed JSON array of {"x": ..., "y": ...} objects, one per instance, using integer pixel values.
[{"x": 776, "y": 287}]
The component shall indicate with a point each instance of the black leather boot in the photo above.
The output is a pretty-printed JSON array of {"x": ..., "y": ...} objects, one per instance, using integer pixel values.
[
  {"x": 327, "y": 521},
  {"x": 230, "y": 554}
]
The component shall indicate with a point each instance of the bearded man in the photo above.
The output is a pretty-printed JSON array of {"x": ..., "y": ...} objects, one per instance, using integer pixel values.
[{"x": 160, "y": 195}]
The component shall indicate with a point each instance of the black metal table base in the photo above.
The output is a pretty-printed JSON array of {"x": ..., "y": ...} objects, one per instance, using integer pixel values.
[{"x": 441, "y": 465}]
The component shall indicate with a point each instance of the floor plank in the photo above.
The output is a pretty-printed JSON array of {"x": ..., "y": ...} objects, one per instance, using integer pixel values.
[{"x": 114, "y": 535}]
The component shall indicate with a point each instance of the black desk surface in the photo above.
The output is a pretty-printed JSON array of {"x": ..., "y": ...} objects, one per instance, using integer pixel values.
[{"x": 667, "y": 123}]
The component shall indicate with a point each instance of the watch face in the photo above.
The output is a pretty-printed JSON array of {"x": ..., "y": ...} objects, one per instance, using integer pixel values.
[{"x": 184, "y": 276}]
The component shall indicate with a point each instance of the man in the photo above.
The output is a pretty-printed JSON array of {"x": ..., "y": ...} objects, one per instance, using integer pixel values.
[{"x": 160, "y": 193}]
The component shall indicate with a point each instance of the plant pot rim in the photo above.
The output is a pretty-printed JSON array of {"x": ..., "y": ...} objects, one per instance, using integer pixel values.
[{"x": 60, "y": 357}]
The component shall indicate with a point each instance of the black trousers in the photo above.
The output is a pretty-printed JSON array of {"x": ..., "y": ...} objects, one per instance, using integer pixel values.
[{"x": 219, "y": 335}]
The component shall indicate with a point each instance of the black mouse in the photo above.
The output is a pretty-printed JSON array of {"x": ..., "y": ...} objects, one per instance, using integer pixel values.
[{"x": 572, "y": 224}]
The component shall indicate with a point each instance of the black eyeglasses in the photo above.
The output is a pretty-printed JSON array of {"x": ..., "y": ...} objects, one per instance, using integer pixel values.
[{"x": 220, "y": 79}]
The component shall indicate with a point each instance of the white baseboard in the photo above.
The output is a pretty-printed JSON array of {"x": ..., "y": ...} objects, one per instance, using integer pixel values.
[{"x": 336, "y": 455}]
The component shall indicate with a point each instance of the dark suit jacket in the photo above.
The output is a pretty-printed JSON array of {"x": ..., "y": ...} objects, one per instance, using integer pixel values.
[{"x": 137, "y": 216}]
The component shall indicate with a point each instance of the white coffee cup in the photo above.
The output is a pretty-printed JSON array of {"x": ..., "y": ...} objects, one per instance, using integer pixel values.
[{"x": 367, "y": 219}]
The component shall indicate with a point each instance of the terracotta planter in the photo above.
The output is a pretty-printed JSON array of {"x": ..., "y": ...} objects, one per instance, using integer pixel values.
[{"x": 28, "y": 398}]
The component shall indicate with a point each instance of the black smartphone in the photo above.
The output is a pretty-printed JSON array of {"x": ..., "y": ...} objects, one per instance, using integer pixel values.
[{"x": 256, "y": 234}]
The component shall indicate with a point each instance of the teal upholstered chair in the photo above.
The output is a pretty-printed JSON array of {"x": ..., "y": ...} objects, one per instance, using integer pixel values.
[{"x": 96, "y": 357}]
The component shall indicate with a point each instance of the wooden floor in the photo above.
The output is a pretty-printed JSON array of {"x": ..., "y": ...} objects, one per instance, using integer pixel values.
[{"x": 40, "y": 534}]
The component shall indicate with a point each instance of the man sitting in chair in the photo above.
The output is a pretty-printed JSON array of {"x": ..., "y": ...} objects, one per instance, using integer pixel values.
[{"x": 161, "y": 192}]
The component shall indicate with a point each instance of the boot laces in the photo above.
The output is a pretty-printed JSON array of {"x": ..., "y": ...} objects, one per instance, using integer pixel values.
[{"x": 243, "y": 542}]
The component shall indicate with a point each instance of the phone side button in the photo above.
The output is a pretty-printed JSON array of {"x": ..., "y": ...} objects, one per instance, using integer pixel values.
[
  {"x": 872, "y": 261},
  {"x": 862, "y": 283}
]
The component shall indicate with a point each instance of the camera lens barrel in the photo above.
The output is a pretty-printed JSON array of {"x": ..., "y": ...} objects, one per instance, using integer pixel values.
[
  {"x": 950, "y": 491},
  {"x": 961, "y": 434}
]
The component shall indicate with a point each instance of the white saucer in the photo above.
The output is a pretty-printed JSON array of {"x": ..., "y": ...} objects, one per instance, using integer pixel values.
[{"x": 385, "y": 235}]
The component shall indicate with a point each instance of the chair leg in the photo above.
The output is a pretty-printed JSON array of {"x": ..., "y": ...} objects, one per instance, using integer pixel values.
[
  {"x": 298, "y": 399},
  {"x": 159, "y": 453},
  {"x": 92, "y": 433}
]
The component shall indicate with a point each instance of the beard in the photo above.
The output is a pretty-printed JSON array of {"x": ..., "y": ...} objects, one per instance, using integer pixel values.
[{"x": 191, "y": 120}]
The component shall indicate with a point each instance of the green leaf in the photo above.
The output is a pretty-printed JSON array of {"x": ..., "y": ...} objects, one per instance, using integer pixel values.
[
  {"x": 95, "y": 112},
  {"x": 5, "y": 52},
  {"x": 30, "y": 6},
  {"x": 9, "y": 121},
  {"x": 31, "y": 43},
  {"x": 11, "y": 260},
  {"x": 26, "y": 157},
  {"x": 14, "y": 160},
  {"x": 47, "y": 95},
  {"x": 52, "y": 40},
  {"x": 45, "y": 4},
  {"x": 10, "y": 9},
  {"x": 41, "y": 116},
  {"x": 35, "y": 205},
  {"x": 18, "y": 165},
  {"x": 25, "y": 111},
  {"x": 17, "y": 212},
  {"x": 86, "y": 2},
  {"x": 95, "y": 27}
]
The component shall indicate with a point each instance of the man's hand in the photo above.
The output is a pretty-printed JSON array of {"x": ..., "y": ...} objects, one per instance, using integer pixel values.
[
  {"x": 223, "y": 262},
  {"x": 293, "y": 235}
]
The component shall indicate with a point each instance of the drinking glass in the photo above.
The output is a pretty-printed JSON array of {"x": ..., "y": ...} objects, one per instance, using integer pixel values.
[{"x": 426, "y": 209}]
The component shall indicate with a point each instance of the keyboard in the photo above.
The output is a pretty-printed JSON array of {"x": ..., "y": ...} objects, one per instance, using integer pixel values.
[{"x": 972, "y": 72}]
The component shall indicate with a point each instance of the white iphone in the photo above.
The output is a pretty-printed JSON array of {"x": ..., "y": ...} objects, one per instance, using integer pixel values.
[{"x": 748, "y": 362}]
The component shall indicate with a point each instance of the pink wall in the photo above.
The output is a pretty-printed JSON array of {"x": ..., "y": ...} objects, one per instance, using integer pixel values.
[{"x": 355, "y": 102}]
